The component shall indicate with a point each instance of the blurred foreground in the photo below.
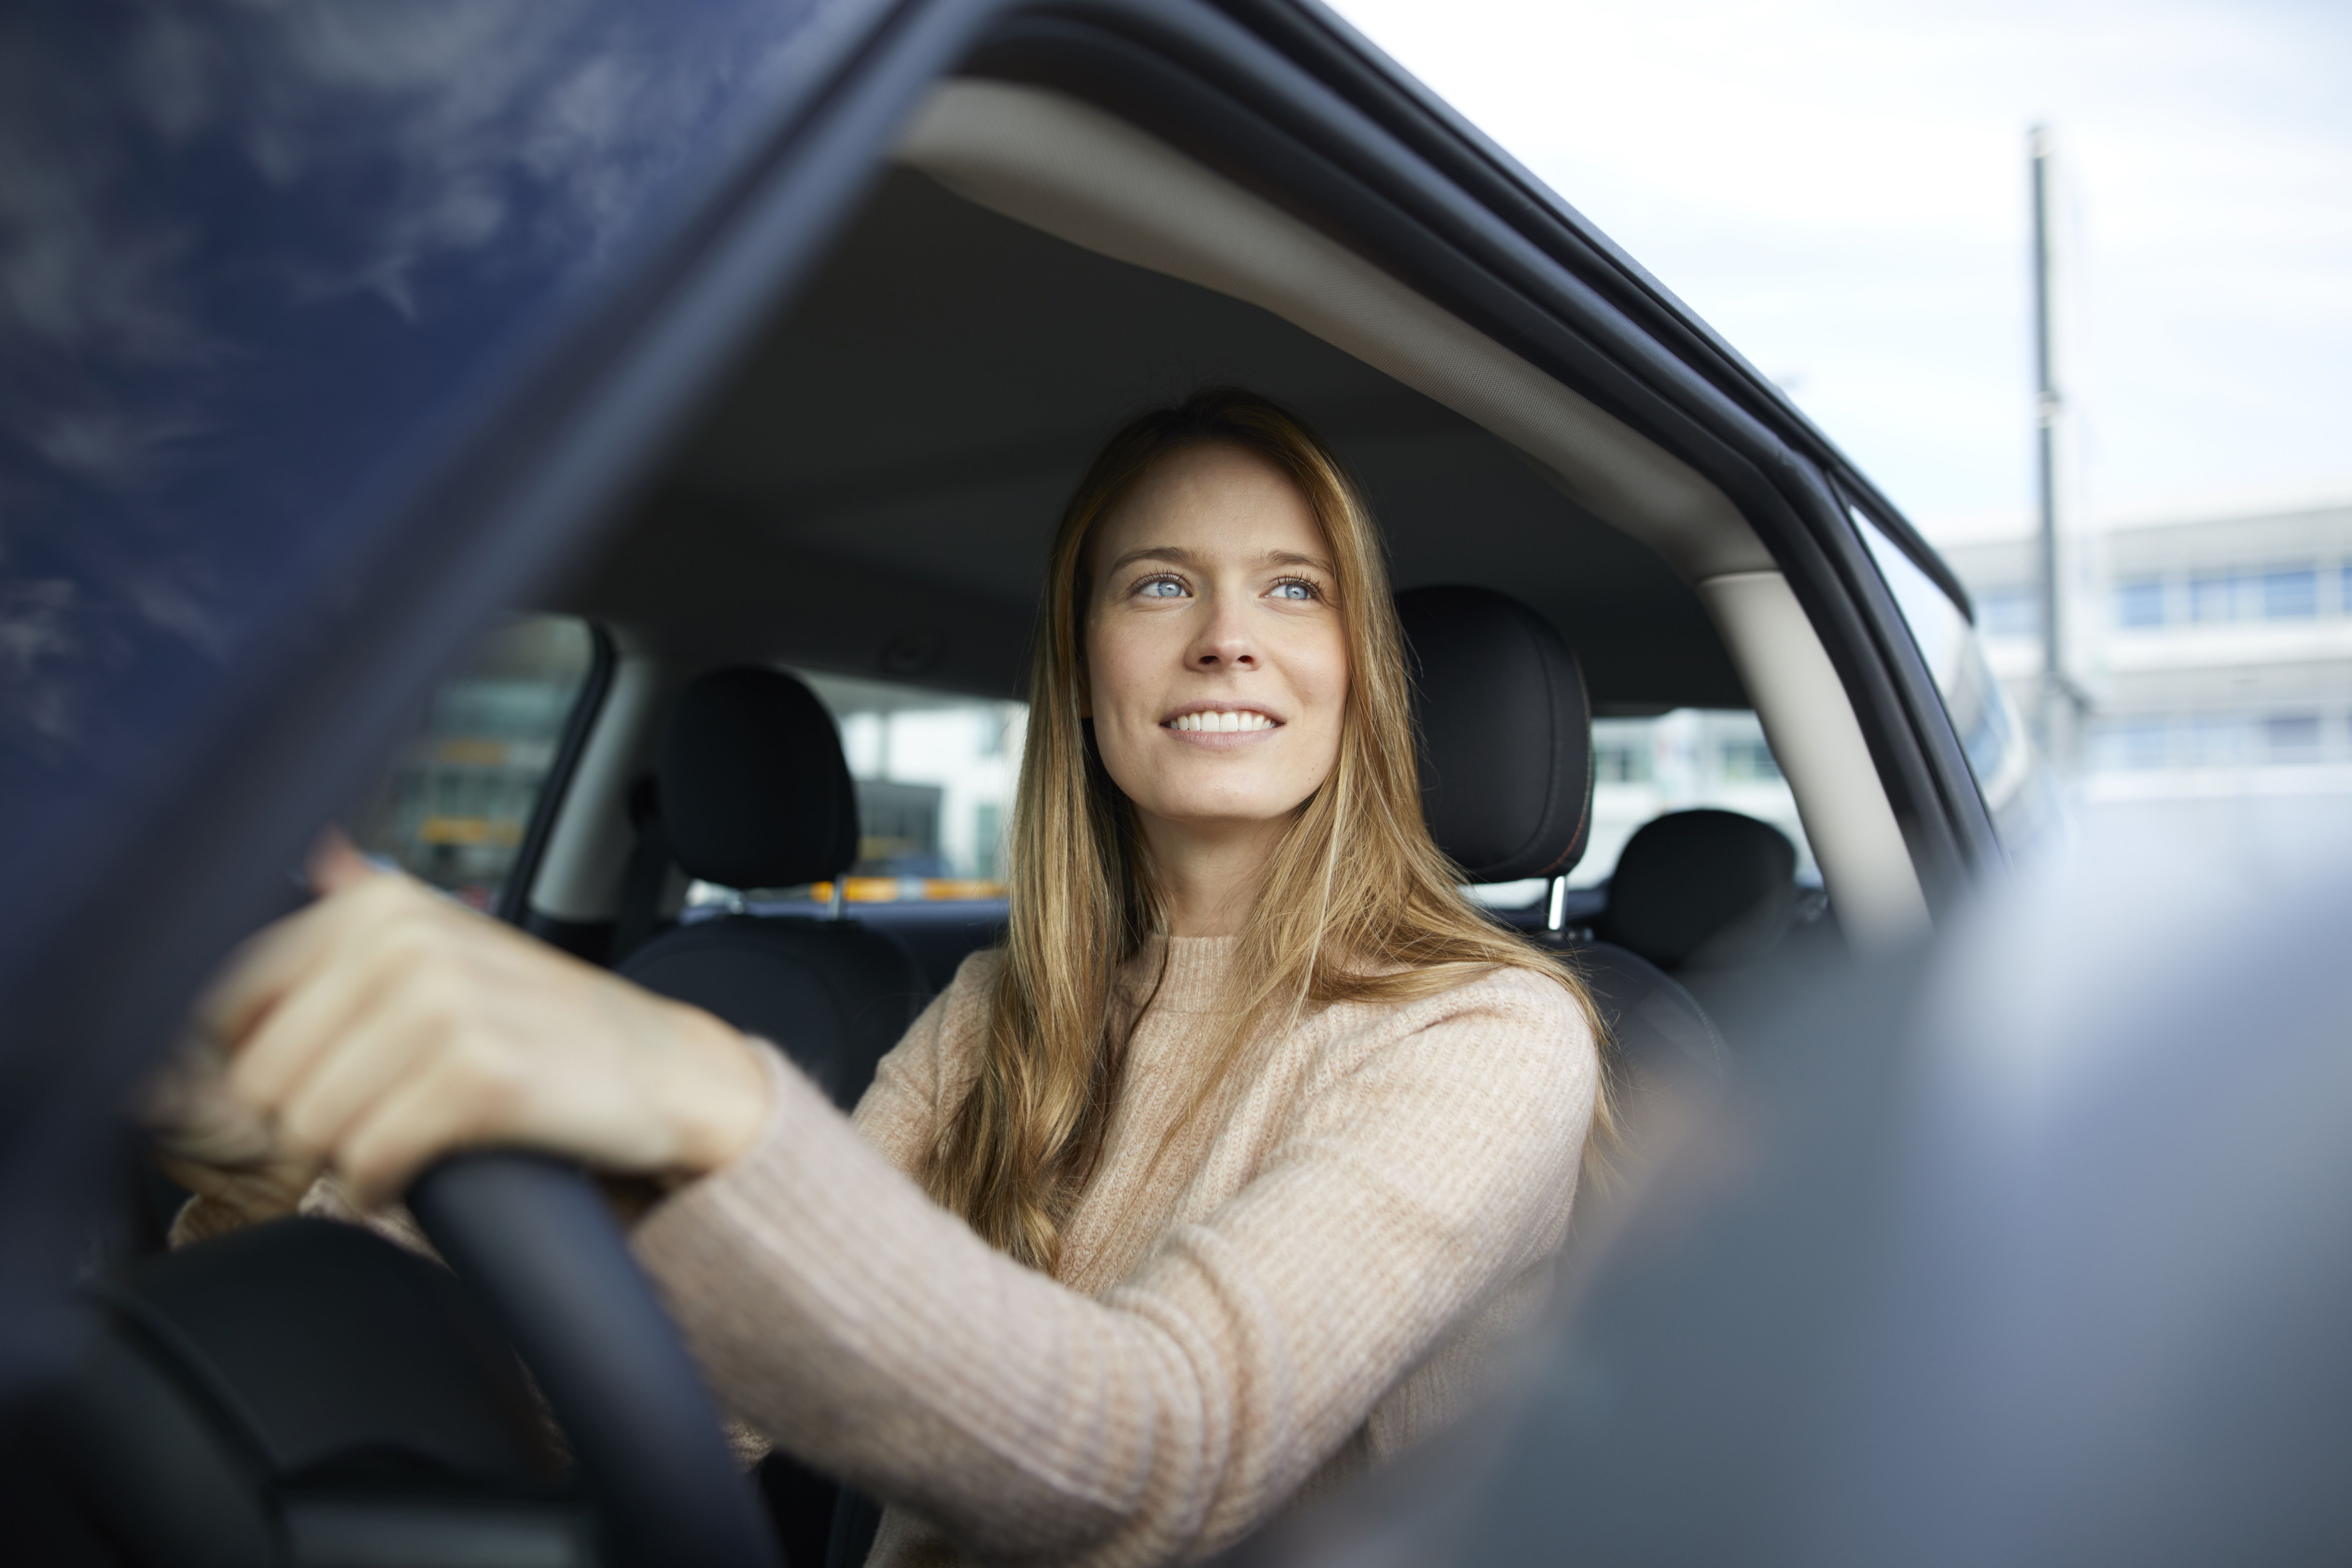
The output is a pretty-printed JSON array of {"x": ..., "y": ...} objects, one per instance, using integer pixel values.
[{"x": 2027, "y": 1248}]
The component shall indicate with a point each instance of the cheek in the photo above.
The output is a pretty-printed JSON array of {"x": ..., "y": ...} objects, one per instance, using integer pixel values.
[
  {"x": 1320, "y": 678},
  {"x": 1325, "y": 672},
  {"x": 1110, "y": 673},
  {"x": 1115, "y": 701}
]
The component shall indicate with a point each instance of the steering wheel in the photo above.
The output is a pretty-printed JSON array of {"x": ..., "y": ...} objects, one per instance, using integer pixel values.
[{"x": 535, "y": 1238}]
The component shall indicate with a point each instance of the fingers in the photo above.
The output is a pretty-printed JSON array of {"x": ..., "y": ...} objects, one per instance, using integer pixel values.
[
  {"x": 269, "y": 1191},
  {"x": 380, "y": 1039},
  {"x": 382, "y": 940},
  {"x": 385, "y": 1027},
  {"x": 305, "y": 981},
  {"x": 457, "y": 1101},
  {"x": 278, "y": 957},
  {"x": 275, "y": 958},
  {"x": 334, "y": 864}
]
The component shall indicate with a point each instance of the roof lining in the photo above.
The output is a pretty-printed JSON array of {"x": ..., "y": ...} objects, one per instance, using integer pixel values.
[{"x": 1088, "y": 178}]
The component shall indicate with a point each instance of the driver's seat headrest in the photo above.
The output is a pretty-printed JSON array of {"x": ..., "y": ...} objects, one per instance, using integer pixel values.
[
  {"x": 1506, "y": 734},
  {"x": 754, "y": 791}
]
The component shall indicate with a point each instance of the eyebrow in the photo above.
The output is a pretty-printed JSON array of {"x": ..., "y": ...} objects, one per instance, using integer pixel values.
[{"x": 1177, "y": 556}]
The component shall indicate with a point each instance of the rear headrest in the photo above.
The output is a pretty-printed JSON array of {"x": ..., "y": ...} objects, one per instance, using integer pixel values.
[
  {"x": 1506, "y": 734},
  {"x": 1702, "y": 887},
  {"x": 754, "y": 790}
]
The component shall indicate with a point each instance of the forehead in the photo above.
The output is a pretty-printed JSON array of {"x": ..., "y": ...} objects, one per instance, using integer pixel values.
[{"x": 1217, "y": 501}]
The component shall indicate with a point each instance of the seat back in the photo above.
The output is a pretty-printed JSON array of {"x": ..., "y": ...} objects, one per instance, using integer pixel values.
[
  {"x": 751, "y": 791},
  {"x": 1506, "y": 747},
  {"x": 1702, "y": 889}
]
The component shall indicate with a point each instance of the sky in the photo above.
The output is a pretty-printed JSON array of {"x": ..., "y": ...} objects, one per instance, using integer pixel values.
[{"x": 1840, "y": 188}]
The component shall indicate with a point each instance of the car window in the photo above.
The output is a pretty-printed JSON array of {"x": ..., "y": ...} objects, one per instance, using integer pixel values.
[
  {"x": 457, "y": 805},
  {"x": 935, "y": 774},
  {"x": 2001, "y": 752},
  {"x": 1647, "y": 767}
]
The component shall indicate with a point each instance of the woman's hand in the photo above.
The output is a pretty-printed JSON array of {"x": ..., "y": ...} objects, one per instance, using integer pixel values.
[
  {"x": 385, "y": 1027},
  {"x": 218, "y": 1147}
]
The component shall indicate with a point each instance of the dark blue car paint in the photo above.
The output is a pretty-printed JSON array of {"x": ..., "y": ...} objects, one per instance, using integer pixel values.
[{"x": 345, "y": 473}]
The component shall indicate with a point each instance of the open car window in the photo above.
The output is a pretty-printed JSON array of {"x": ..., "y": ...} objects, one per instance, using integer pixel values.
[{"x": 455, "y": 808}]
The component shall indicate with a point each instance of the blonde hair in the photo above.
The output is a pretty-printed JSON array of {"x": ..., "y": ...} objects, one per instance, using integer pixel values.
[{"x": 1383, "y": 921}]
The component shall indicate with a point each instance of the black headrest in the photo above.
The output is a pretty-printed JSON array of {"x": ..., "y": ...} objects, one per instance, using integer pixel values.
[
  {"x": 1505, "y": 734},
  {"x": 1704, "y": 886},
  {"x": 754, "y": 790}
]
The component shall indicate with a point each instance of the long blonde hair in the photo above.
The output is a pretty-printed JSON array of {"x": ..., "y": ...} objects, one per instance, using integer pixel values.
[{"x": 1383, "y": 921}]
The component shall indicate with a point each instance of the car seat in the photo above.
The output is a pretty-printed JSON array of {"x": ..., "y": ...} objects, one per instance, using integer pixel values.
[
  {"x": 751, "y": 791},
  {"x": 1505, "y": 733},
  {"x": 1702, "y": 889}
]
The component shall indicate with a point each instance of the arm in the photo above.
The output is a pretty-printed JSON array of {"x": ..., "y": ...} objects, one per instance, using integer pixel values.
[
  {"x": 900, "y": 1111},
  {"x": 870, "y": 1329}
]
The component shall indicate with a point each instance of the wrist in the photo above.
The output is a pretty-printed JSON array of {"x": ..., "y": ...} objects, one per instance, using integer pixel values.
[{"x": 719, "y": 1102}]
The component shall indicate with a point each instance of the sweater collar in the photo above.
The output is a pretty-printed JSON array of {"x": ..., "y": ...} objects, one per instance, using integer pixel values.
[{"x": 1197, "y": 973}]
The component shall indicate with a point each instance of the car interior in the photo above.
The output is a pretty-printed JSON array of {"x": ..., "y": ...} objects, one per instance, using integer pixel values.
[{"x": 871, "y": 493}]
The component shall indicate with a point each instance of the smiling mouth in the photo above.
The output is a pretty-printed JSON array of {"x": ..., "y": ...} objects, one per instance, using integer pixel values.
[{"x": 1232, "y": 721}]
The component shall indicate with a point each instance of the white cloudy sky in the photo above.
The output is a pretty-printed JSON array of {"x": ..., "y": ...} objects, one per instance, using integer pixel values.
[{"x": 1839, "y": 186}]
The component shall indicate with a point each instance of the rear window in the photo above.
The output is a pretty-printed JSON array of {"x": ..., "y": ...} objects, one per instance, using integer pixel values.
[
  {"x": 935, "y": 774},
  {"x": 458, "y": 804},
  {"x": 1644, "y": 768}
]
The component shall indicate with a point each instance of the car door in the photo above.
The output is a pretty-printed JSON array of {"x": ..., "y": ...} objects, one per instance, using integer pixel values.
[{"x": 335, "y": 331}]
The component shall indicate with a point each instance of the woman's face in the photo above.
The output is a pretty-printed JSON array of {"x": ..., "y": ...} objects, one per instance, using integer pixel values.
[{"x": 1216, "y": 663}]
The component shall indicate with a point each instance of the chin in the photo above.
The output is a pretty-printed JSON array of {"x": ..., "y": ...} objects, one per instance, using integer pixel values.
[{"x": 1225, "y": 811}]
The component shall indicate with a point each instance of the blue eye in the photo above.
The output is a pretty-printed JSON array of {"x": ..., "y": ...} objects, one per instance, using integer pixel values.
[
  {"x": 1161, "y": 588},
  {"x": 1295, "y": 589}
]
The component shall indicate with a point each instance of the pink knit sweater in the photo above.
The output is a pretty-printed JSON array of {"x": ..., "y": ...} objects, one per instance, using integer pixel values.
[{"x": 1308, "y": 1281}]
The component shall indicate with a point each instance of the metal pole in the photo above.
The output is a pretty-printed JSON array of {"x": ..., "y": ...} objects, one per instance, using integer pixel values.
[{"x": 2045, "y": 422}]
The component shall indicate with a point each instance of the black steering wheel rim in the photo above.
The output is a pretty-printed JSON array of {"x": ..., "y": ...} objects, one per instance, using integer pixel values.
[{"x": 534, "y": 1236}]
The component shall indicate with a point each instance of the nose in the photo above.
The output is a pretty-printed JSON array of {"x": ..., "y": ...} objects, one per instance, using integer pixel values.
[{"x": 1225, "y": 643}]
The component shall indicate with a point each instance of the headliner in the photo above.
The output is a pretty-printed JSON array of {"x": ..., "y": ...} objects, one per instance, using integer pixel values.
[{"x": 874, "y": 491}]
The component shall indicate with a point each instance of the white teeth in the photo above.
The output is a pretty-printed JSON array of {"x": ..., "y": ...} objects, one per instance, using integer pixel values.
[{"x": 1222, "y": 723}]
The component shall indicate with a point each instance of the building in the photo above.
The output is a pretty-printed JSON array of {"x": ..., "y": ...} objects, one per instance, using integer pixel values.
[
  {"x": 454, "y": 805},
  {"x": 2215, "y": 652}
]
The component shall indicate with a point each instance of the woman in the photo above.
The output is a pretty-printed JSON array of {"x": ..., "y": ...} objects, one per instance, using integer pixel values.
[{"x": 1206, "y": 1190}]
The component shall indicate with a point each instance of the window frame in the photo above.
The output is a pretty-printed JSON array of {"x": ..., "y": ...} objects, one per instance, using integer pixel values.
[{"x": 513, "y": 903}]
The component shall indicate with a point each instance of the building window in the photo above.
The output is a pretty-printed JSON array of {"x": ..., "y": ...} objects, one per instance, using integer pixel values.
[
  {"x": 2011, "y": 612},
  {"x": 1750, "y": 760},
  {"x": 2292, "y": 737},
  {"x": 2215, "y": 739},
  {"x": 454, "y": 807},
  {"x": 2140, "y": 742},
  {"x": 1621, "y": 764},
  {"x": 2140, "y": 602},
  {"x": 2290, "y": 593},
  {"x": 2212, "y": 597}
]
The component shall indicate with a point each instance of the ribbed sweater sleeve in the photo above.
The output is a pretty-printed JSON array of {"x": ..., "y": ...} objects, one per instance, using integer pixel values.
[{"x": 862, "y": 1326}]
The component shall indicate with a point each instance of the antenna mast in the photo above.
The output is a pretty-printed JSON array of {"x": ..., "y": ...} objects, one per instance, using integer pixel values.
[{"x": 2061, "y": 702}]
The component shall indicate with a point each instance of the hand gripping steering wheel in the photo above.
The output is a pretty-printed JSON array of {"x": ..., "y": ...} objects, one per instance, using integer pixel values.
[{"x": 534, "y": 1236}]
